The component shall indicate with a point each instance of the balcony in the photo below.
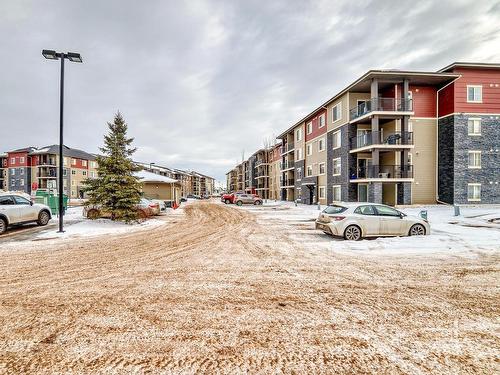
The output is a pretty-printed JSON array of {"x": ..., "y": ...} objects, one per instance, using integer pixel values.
[
  {"x": 382, "y": 172},
  {"x": 260, "y": 162},
  {"x": 287, "y": 183},
  {"x": 388, "y": 105},
  {"x": 381, "y": 139},
  {"x": 288, "y": 164},
  {"x": 287, "y": 148}
]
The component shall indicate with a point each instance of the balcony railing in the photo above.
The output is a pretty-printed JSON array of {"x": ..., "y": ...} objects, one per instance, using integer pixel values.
[
  {"x": 381, "y": 138},
  {"x": 260, "y": 162},
  {"x": 287, "y": 147},
  {"x": 287, "y": 164},
  {"x": 381, "y": 105},
  {"x": 289, "y": 182},
  {"x": 382, "y": 171}
]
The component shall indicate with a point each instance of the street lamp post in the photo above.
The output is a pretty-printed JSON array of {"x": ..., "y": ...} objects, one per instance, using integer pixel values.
[{"x": 74, "y": 57}]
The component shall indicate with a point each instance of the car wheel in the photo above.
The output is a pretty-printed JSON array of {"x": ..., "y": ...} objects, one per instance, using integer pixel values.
[
  {"x": 258, "y": 203},
  {"x": 3, "y": 226},
  {"x": 143, "y": 215},
  {"x": 227, "y": 201},
  {"x": 352, "y": 233},
  {"x": 43, "y": 218},
  {"x": 239, "y": 203},
  {"x": 93, "y": 214},
  {"x": 417, "y": 230}
]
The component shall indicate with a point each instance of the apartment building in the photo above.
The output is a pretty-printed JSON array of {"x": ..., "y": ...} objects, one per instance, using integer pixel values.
[
  {"x": 3, "y": 171},
  {"x": 469, "y": 135},
  {"x": 400, "y": 137},
  {"x": 275, "y": 172},
  {"x": 232, "y": 179},
  {"x": 29, "y": 169}
]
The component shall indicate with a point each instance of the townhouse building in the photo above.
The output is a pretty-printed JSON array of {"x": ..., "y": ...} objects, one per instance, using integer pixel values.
[
  {"x": 29, "y": 169},
  {"x": 400, "y": 137}
]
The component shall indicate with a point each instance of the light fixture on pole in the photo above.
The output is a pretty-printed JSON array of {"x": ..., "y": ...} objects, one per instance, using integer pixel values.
[{"x": 74, "y": 57}]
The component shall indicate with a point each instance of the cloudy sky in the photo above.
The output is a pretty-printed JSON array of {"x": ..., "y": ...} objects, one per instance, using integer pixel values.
[{"x": 201, "y": 82}]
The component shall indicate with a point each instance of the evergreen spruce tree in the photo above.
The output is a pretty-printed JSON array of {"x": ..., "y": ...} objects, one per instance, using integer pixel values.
[{"x": 116, "y": 190}]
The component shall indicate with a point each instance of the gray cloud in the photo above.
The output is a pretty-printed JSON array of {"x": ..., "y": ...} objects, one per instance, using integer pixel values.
[{"x": 200, "y": 81}]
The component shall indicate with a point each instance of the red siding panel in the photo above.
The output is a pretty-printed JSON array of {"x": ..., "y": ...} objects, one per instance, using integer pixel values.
[
  {"x": 316, "y": 130},
  {"x": 446, "y": 101},
  {"x": 489, "y": 79},
  {"x": 424, "y": 101}
]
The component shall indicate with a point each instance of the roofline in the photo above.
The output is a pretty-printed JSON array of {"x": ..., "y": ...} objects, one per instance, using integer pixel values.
[
  {"x": 470, "y": 65},
  {"x": 363, "y": 77}
]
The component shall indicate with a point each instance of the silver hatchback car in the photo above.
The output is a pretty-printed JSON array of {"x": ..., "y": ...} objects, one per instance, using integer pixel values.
[
  {"x": 354, "y": 221},
  {"x": 241, "y": 199}
]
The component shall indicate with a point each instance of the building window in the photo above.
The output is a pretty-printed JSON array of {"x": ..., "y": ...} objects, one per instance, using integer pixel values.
[
  {"x": 93, "y": 164},
  {"x": 84, "y": 173},
  {"x": 309, "y": 149},
  {"x": 12, "y": 160},
  {"x": 298, "y": 154},
  {"x": 474, "y": 125},
  {"x": 299, "y": 174},
  {"x": 309, "y": 127},
  {"x": 336, "y": 167},
  {"x": 337, "y": 112},
  {"x": 475, "y": 159},
  {"x": 21, "y": 171},
  {"x": 298, "y": 134},
  {"x": 337, "y": 193},
  {"x": 12, "y": 172},
  {"x": 321, "y": 144},
  {"x": 322, "y": 192},
  {"x": 73, "y": 161},
  {"x": 321, "y": 168},
  {"x": 13, "y": 183},
  {"x": 474, "y": 94},
  {"x": 84, "y": 163},
  {"x": 321, "y": 120},
  {"x": 21, "y": 181},
  {"x": 337, "y": 140},
  {"x": 309, "y": 171},
  {"x": 73, "y": 172},
  {"x": 21, "y": 159},
  {"x": 474, "y": 192}
]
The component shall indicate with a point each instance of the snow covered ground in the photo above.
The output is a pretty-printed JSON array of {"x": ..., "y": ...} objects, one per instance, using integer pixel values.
[{"x": 476, "y": 230}]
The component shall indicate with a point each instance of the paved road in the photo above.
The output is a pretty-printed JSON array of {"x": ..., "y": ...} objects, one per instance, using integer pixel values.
[
  {"x": 220, "y": 292},
  {"x": 25, "y": 232}
]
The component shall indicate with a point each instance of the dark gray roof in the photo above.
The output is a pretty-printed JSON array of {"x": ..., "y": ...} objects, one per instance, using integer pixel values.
[{"x": 71, "y": 152}]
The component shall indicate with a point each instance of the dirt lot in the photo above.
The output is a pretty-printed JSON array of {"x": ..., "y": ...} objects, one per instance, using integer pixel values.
[{"x": 219, "y": 292}]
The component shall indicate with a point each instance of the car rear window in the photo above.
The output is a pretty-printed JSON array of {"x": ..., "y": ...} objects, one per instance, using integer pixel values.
[{"x": 334, "y": 210}]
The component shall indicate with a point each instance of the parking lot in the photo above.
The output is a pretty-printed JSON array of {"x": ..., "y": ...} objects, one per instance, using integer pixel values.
[{"x": 234, "y": 290}]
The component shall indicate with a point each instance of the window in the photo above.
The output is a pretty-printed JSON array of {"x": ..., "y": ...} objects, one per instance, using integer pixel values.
[
  {"x": 73, "y": 161},
  {"x": 387, "y": 211},
  {"x": 337, "y": 193},
  {"x": 12, "y": 160},
  {"x": 21, "y": 200},
  {"x": 84, "y": 173},
  {"x": 337, "y": 140},
  {"x": 13, "y": 183},
  {"x": 298, "y": 134},
  {"x": 65, "y": 172},
  {"x": 93, "y": 164},
  {"x": 334, "y": 209},
  {"x": 299, "y": 174},
  {"x": 410, "y": 158},
  {"x": 337, "y": 112},
  {"x": 92, "y": 174},
  {"x": 336, "y": 167},
  {"x": 474, "y": 192},
  {"x": 475, "y": 159},
  {"x": 309, "y": 171},
  {"x": 321, "y": 192},
  {"x": 84, "y": 163},
  {"x": 65, "y": 161},
  {"x": 309, "y": 127},
  {"x": 474, "y": 125},
  {"x": 5, "y": 201},
  {"x": 12, "y": 172},
  {"x": 321, "y": 168},
  {"x": 365, "y": 210},
  {"x": 298, "y": 154},
  {"x": 321, "y": 121},
  {"x": 321, "y": 144},
  {"x": 73, "y": 172},
  {"x": 309, "y": 149},
  {"x": 474, "y": 94},
  {"x": 21, "y": 182},
  {"x": 21, "y": 159}
]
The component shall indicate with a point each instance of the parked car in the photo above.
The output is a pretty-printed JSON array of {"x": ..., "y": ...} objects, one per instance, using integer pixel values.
[
  {"x": 354, "y": 221},
  {"x": 184, "y": 199},
  {"x": 240, "y": 199},
  {"x": 16, "y": 209},
  {"x": 228, "y": 198},
  {"x": 143, "y": 208},
  {"x": 153, "y": 204},
  {"x": 162, "y": 204}
]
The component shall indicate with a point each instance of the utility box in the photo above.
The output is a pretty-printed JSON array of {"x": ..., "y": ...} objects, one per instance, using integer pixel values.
[{"x": 52, "y": 200}]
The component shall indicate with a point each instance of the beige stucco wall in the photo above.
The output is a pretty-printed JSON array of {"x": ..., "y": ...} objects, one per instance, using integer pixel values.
[
  {"x": 345, "y": 112},
  {"x": 314, "y": 160},
  {"x": 424, "y": 160},
  {"x": 157, "y": 190}
]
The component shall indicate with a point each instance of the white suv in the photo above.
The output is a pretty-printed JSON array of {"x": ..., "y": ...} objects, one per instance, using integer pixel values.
[{"x": 15, "y": 209}]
